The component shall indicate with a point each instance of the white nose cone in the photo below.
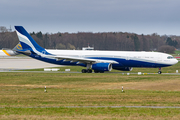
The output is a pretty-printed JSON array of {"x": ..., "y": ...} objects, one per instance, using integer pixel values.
[{"x": 176, "y": 61}]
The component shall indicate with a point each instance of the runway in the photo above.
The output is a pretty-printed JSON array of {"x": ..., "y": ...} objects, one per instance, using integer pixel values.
[
  {"x": 16, "y": 71},
  {"x": 21, "y": 63},
  {"x": 13, "y": 64}
]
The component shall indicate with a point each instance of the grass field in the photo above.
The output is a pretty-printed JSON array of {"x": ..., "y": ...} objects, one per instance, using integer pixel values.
[
  {"x": 90, "y": 113},
  {"x": 22, "y": 95}
]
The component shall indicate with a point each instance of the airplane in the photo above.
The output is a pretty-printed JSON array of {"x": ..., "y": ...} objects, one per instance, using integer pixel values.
[
  {"x": 7, "y": 52},
  {"x": 99, "y": 61}
]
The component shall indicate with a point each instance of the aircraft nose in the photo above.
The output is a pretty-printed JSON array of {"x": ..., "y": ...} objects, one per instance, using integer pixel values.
[{"x": 175, "y": 61}]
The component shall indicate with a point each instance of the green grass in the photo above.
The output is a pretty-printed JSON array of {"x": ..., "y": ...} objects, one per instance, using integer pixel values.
[
  {"x": 27, "y": 89},
  {"x": 19, "y": 90},
  {"x": 89, "y": 113},
  {"x": 177, "y": 52},
  {"x": 23, "y": 97}
]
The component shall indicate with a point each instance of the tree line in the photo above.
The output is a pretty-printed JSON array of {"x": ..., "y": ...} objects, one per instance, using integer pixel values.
[{"x": 117, "y": 41}]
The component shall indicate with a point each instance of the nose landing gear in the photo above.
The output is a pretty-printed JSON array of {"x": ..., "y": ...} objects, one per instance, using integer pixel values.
[{"x": 159, "y": 72}]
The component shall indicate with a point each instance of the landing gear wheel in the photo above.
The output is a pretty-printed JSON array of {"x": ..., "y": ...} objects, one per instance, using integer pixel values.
[
  {"x": 96, "y": 71},
  {"x": 84, "y": 70},
  {"x": 159, "y": 72},
  {"x": 89, "y": 71}
]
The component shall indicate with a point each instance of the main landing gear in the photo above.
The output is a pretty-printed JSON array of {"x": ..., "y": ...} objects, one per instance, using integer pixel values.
[
  {"x": 159, "y": 72},
  {"x": 96, "y": 71},
  {"x": 86, "y": 71},
  {"x": 89, "y": 70}
]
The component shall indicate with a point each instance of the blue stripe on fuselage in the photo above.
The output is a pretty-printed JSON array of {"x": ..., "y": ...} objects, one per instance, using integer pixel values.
[{"x": 122, "y": 62}]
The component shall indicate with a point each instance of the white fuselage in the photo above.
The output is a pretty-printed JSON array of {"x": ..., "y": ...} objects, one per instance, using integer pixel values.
[
  {"x": 2, "y": 54},
  {"x": 149, "y": 57}
]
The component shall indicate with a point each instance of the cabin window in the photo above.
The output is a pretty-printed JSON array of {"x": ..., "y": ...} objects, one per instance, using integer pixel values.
[{"x": 170, "y": 57}]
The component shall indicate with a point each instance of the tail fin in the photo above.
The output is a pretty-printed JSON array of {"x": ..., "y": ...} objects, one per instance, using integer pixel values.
[
  {"x": 17, "y": 47},
  {"x": 26, "y": 41}
]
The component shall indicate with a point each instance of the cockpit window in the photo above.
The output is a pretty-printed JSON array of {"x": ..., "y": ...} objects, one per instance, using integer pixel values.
[{"x": 170, "y": 57}]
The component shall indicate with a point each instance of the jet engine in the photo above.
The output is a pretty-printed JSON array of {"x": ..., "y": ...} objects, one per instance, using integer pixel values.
[{"x": 102, "y": 67}]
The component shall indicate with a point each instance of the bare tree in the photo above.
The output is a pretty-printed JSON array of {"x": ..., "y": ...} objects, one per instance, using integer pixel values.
[
  {"x": 167, "y": 49},
  {"x": 3, "y": 29}
]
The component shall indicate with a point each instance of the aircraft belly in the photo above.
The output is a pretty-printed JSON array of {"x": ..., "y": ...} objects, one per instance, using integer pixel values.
[
  {"x": 122, "y": 62},
  {"x": 136, "y": 63}
]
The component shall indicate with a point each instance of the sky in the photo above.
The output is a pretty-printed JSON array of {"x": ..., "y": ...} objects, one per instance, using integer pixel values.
[{"x": 133, "y": 16}]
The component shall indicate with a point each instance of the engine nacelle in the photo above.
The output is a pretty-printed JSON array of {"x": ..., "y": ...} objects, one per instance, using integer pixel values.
[
  {"x": 102, "y": 66},
  {"x": 124, "y": 68}
]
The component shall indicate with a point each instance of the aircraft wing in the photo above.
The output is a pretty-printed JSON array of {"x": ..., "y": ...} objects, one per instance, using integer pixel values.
[{"x": 80, "y": 59}]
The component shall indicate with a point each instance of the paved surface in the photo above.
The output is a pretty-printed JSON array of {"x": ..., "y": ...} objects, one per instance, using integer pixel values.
[
  {"x": 19, "y": 63},
  {"x": 10, "y": 70}
]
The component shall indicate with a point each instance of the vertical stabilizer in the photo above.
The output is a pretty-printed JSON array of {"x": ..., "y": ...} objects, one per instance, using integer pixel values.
[{"x": 26, "y": 41}]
